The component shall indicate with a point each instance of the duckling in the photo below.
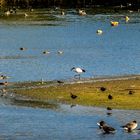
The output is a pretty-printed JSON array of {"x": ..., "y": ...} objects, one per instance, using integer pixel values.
[
  {"x": 130, "y": 126},
  {"x": 60, "y": 52},
  {"x": 106, "y": 128},
  {"x": 114, "y": 23},
  {"x": 127, "y": 18}
]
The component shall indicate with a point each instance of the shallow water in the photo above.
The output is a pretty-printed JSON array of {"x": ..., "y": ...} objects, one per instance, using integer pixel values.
[
  {"x": 79, "y": 122},
  {"x": 116, "y": 52}
]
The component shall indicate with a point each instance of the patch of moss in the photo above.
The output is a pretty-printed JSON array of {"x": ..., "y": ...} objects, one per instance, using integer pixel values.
[{"x": 89, "y": 94}]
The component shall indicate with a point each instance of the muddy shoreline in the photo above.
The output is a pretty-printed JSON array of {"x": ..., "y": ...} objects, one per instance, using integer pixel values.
[{"x": 50, "y": 93}]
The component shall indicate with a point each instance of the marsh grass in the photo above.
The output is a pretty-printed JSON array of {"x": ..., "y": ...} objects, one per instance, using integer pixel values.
[{"x": 89, "y": 94}]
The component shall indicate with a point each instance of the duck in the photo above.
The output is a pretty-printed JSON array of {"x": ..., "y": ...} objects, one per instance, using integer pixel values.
[
  {"x": 7, "y": 13},
  {"x": 127, "y": 18},
  {"x": 62, "y": 13},
  {"x": 46, "y": 52},
  {"x": 2, "y": 77},
  {"x": 130, "y": 126},
  {"x": 82, "y": 12},
  {"x": 105, "y": 127},
  {"x": 78, "y": 71},
  {"x": 99, "y": 32},
  {"x": 26, "y": 15},
  {"x": 4, "y": 83},
  {"x": 114, "y": 23}
]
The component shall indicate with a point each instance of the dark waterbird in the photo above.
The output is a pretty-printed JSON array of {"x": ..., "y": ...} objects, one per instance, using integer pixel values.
[
  {"x": 130, "y": 126},
  {"x": 109, "y": 108},
  {"x": 109, "y": 113},
  {"x": 105, "y": 127},
  {"x": 22, "y": 48},
  {"x": 73, "y": 96},
  {"x": 102, "y": 88},
  {"x": 60, "y": 82},
  {"x": 110, "y": 97},
  {"x": 131, "y": 92}
]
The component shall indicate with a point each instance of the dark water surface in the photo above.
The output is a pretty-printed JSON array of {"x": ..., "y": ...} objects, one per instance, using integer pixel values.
[{"x": 116, "y": 52}]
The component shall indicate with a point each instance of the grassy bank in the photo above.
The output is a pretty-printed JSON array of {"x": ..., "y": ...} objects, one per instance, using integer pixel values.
[{"x": 88, "y": 93}]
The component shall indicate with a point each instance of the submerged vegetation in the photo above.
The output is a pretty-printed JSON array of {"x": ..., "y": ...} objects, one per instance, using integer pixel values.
[{"x": 125, "y": 92}]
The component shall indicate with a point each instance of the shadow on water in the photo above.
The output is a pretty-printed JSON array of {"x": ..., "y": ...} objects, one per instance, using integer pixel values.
[{"x": 34, "y": 104}]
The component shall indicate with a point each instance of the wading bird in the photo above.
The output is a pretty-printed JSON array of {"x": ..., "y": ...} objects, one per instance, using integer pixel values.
[
  {"x": 130, "y": 126},
  {"x": 78, "y": 71},
  {"x": 105, "y": 127}
]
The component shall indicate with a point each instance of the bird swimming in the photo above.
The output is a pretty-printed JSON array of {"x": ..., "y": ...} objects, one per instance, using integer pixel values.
[
  {"x": 127, "y": 18},
  {"x": 82, "y": 12},
  {"x": 78, "y": 71},
  {"x": 2, "y": 77},
  {"x": 22, "y": 48},
  {"x": 99, "y": 32},
  {"x": 105, "y": 127},
  {"x": 114, "y": 23},
  {"x": 130, "y": 126}
]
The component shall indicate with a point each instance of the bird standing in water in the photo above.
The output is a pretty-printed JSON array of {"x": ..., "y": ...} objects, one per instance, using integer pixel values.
[
  {"x": 106, "y": 128},
  {"x": 130, "y": 126},
  {"x": 78, "y": 71}
]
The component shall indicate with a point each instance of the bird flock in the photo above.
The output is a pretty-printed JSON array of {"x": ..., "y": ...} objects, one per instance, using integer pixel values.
[
  {"x": 107, "y": 129},
  {"x": 103, "y": 126}
]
